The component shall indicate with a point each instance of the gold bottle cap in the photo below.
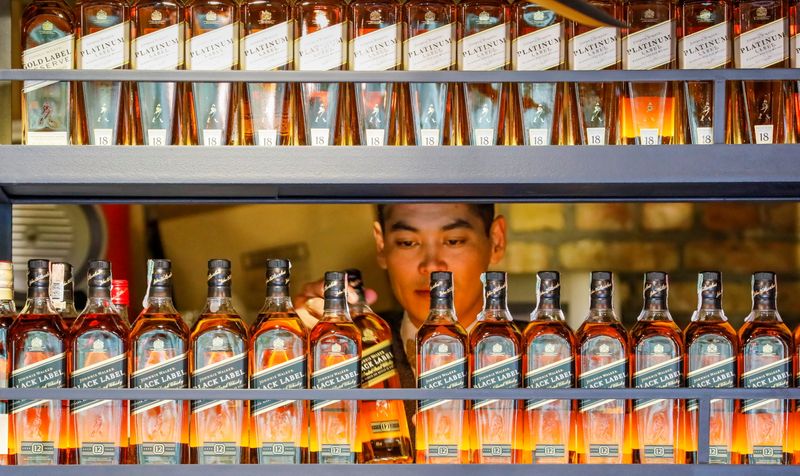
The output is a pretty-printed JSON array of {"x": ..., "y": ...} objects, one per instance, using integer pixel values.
[{"x": 6, "y": 280}]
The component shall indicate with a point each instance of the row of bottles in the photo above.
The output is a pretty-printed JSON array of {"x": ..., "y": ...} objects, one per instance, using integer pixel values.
[{"x": 382, "y": 35}]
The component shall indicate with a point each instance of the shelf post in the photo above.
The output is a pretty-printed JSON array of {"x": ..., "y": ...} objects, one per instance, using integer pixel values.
[
  {"x": 703, "y": 428},
  {"x": 5, "y": 231},
  {"x": 719, "y": 111}
]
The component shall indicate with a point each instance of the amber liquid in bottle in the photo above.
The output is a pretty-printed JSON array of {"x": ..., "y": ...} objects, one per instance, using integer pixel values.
[
  {"x": 320, "y": 45},
  {"x": 442, "y": 431},
  {"x": 794, "y": 62},
  {"x": 8, "y": 312},
  {"x": 103, "y": 32},
  {"x": 157, "y": 32},
  {"x": 386, "y": 438},
  {"x": 159, "y": 341},
  {"x": 99, "y": 359},
  {"x": 483, "y": 45},
  {"x": 430, "y": 45},
  {"x": 766, "y": 351},
  {"x": 38, "y": 428},
  {"x": 760, "y": 29},
  {"x": 278, "y": 359},
  {"x": 549, "y": 362},
  {"x": 219, "y": 431},
  {"x": 335, "y": 349},
  {"x": 711, "y": 350},
  {"x": 649, "y": 111},
  {"x": 656, "y": 362},
  {"x": 602, "y": 363}
]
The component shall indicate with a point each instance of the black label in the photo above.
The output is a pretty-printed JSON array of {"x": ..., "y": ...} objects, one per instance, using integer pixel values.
[
  {"x": 496, "y": 451},
  {"x": 666, "y": 374},
  {"x": 282, "y": 452},
  {"x": 98, "y": 453},
  {"x": 219, "y": 452},
  {"x": 377, "y": 364},
  {"x": 336, "y": 454},
  {"x": 37, "y": 452},
  {"x": 155, "y": 452},
  {"x": 385, "y": 426},
  {"x": 767, "y": 455},
  {"x": 448, "y": 376},
  {"x": 774, "y": 375},
  {"x": 342, "y": 375},
  {"x": 170, "y": 373},
  {"x": 612, "y": 375},
  {"x": 720, "y": 374},
  {"x": 555, "y": 375},
  {"x": 110, "y": 373},
  {"x": 503, "y": 374},
  {"x": 289, "y": 375},
  {"x": 225, "y": 374},
  {"x": 47, "y": 373}
]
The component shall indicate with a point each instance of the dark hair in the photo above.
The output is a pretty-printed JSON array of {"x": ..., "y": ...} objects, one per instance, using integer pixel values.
[{"x": 484, "y": 211}]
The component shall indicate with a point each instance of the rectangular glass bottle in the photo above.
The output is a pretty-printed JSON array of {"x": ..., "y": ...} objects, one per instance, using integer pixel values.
[
  {"x": 8, "y": 312},
  {"x": 212, "y": 44},
  {"x": 103, "y": 43},
  {"x": 484, "y": 45},
  {"x": 267, "y": 45},
  {"x": 649, "y": 111},
  {"x": 37, "y": 342},
  {"x": 335, "y": 349},
  {"x": 656, "y": 362},
  {"x": 99, "y": 359},
  {"x": 549, "y": 362},
  {"x": 278, "y": 359},
  {"x": 48, "y": 42},
  {"x": 430, "y": 45},
  {"x": 794, "y": 62},
  {"x": 159, "y": 351},
  {"x": 711, "y": 350},
  {"x": 442, "y": 351},
  {"x": 219, "y": 432},
  {"x": 62, "y": 292},
  {"x": 766, "y": 351},
  {"x": 157, "y": 32},
  {"x": 320, "y": 45},
  {"x": 603, "y": 350}
]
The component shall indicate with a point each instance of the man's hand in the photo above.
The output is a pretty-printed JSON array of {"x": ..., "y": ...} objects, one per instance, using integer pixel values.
[{"x": 310, "y": 302}]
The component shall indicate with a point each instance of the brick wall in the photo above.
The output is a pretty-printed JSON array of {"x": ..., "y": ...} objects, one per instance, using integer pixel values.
[{"x": 680, "y": 238}]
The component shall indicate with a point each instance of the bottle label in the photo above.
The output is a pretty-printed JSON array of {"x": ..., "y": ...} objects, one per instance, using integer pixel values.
[
  {"x": 212, "y": 137},
  {"x": 284, "y": 452},
  {"x": 487, "y": 50},
  {"x": 539, "y": 50},
  {"x": 37, "y": 452},
  {"x": 110, "y": 373},
  {"x": 504, "y": 373},
  {"x": 375, "y": 137},
  {"x": 157, "y": 452},
  {"x": 335, "y": 454},
  {"x": 267, "y": 137},
  {"x": 322, "y": 50},
  {"x": 106, "y": 49},
  {"x": 268, "y": 49},
  {"x": 711, "y": 365},
  {"x": 47, "y": 138},
  {"x": 430, "y": 137},
  {"x": 159, "y": 50},
  {"x": 345, "y": 374},
  {"x": 447, "y": 376},
  {"x": 604, "y": 451},
  {"x": 649, "y": 136},
  {"x": 484, "y": 137},
  {"x": 46, "y": 373},
  {"x": 612, "y": 371},
  {"x": 661, "y": 364},
  {"x": 764, "y": 133},
  {"x": 719, "y": 454},
  {"x": 555, "y": 375},
  {"x": 377, "y": 364},
  {"x": 219, "y": 452},
  {"x": 392, "y": 426},
  {"x": 706, "y": 49},
  {"x": 442, "y": 451},
  {"x": 228, "y": 373},
  {"x": 99, "y": 453},
  {"x": 762, "y": 46},
  {"x": 649, "y": 48},
  {"x": 705, "y": 135},
  {"x": 433, "y": 50},
  {"x": 289, "y": 375},
  {"x": 56, "y": 54},
  {"x": 765, "y": 367},
  {"x": 214, "y": 50},
  {"x": 495, "y": 451},
  {"x": 170, "y": 373},
  {"x": 595, "y": 136},
  {"x": 545, "y": 452},
  {"x": 767, "y": 455},
  {"x": 376, "y": 51},
  {"x": 595, "y": 49},
  {"x": 156, "y": 137}
]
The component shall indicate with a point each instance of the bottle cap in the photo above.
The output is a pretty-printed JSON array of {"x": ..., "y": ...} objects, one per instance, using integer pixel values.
[
  {"x": 441, "y": 285},
  {"x": 278, "y": 272},
  {"x": 335, "y": 285},
  {"x": 99, "y": 275},
  {"x": 6, "y": 280},
  {"x": 494, "y": 285},
  {"x": 354, "y": 278},
  {"x": 765, "y": 285},
  {"x": 709, "y": 285},
  {"x": 219, "y": 273},
  {"x": 38, "y": 273},
  {"x": 656, "y": 286},
  {"x": 548, "y": 284},
  {"x": 602, "y": 285},
  {"x": 119, "y": 292}
]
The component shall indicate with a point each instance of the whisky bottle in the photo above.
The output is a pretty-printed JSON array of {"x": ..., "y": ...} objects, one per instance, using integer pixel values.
[
  {"x": 320, "y": 32},
  {"x": 386, "y": 438},
  {"x": 711, "y": 350},
  {"x": 267, "y": 45},
  {"x": 335, "y": 348},
  {"x": 549, "y": 362},
  {"x": 648, "y": 111},
  {"x": 121, "y": 298},
  {"x": 794, "y": 62},
  {"x": 538, "y": 45},
  {"x": 483, "y": 45},
  {"x": 766, "y": 350},
  {"x": 99, "y": 359},
  {"x": 103, "y": 32},
  {"x": 593, "y": 112},
  {"x": 704, "y": 42},
  {"x": 159, "y": 345},
  {"x": 602, "y": 363},
  {"x": 48, "y": 42},
  {"x": 375, "y": 46},
  {"x": 495, "y": 362},
  {"x": 442, "y": 426},
  {"x": 62, "y": 292},
  {"x": 218, "y": 428},
  {"x": 761, "y": 41},
  {"x": 212, "y": 44},
  {"x": 37, "y": 342},
  {"x": 157, "y": 31},
  {"x": 8, "y": 312},
  {"x": 430, "y": 45},
  {"x": 656, "y": 362},
  {"x": 278, "y": 360}
]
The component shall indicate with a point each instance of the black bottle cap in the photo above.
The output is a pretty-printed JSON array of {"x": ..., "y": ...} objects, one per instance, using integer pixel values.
[
  {"x": 354, "y": 279},
  {"x": 441, "y": 289},
  {"x": 39, "y": 273},
  {"x": 278, "y": 273},
  {"x": 548, "y": 287},
  {"x": 656, "y": 286},
  {"x": 602, "y": 287},
  {"x": 99, "y": 274},
  {"x": 335, "y": 285},
  {"x": 219, "y": 273},
  {"x": 709, "y": 286},
  {"x": 765, "y": 285},
  {"x": 161, "y": 277},
  {"x": 495, "y": 287}
]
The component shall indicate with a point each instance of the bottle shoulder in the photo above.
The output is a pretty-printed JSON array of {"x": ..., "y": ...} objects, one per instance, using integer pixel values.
[
  {"x": 165, "y": 322},
  {"x": 536, "y": 329},
  {"x": 288, "y": 321},
  {"x": 483, "y": 329},
  {"x": 643, "y": 330},
  {"x": 753, "y": 329},
  {"x": 107, "y": 322},
  {"x": 324, "y": 329},
  {"x": 696, "y": 329},
  {"x": 232, "y": 323}
]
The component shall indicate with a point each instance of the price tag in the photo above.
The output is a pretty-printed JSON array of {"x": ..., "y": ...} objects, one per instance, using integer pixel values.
[
  {"x": 484, "y": 137},
  {"x": 103, "y": 136},
  {"x": 320, "y": 137},
  {"x": 429, "y": 137},
  {"x": 595, "y": 136},
  {"x": 649, "y": 137},
  {"x": 267, "y": 137},
  {"x": 212, "y": 137},
  {"x": 375, "y": 137},
  {"x": 156, "y": 137},
  {"x": 764, "y": 134},
  {"x": 705, "y": 135},
  {"x": 47, "y": 138},
  {"x": 538, "y": 137}
]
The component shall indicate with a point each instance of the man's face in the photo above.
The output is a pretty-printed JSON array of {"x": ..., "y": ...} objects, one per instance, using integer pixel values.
[{"x": 421, "y": 238}]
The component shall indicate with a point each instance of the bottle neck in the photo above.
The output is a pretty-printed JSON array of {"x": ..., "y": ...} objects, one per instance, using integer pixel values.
[
  {"x": 99, "y": 293},
  {"x": 159, "y": 304},
  {"x": 655, "y": 305},
  {"x": 7, "y": 306},
  {"x": 710, "y": 304},
  {"x": 765, "y": 304},
  {"x": 277, "y": 300},
  {"x": 600, "y": 304},
  {"x": 335, "y": 306},
  {"x": 219, "y": 292}
]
